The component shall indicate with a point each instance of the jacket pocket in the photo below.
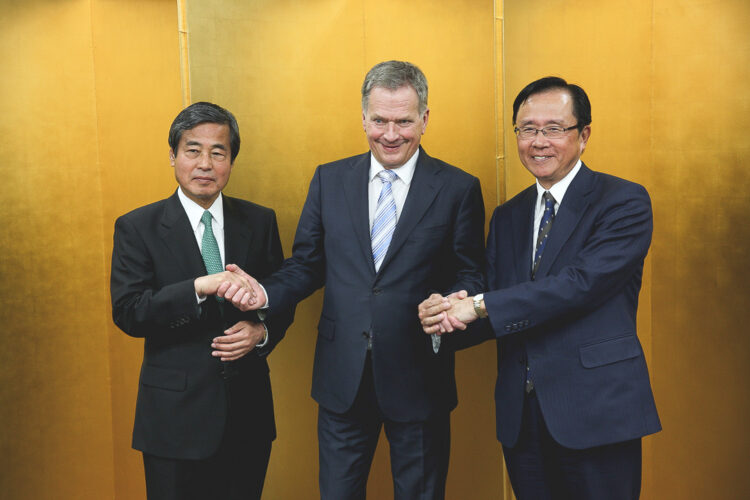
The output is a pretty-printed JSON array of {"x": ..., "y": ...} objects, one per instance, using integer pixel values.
[
  {"x": 609, "y": 351},
  {"x": 164, "y": 378},
  {"x": 326, "y": 328}
]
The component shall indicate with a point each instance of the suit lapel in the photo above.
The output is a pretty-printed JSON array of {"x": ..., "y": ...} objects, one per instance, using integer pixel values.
[
  {"x": 237, "y": 234},
  {"x": 424, "y": 187},
  {"x": 523, "y": 226},
  {"x": 568, "y": 216},
  {"x": 354, "y": 185},
  {"x": 179, "y": 238}
]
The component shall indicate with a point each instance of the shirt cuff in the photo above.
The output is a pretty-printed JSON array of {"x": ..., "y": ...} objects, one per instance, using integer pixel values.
[
  {"x": 266, "y": 294},
  {"x": 265, "y": 338}
]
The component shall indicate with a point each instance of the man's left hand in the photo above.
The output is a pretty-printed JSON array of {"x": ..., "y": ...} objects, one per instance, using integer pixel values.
[{"x": 238, "y": 340}]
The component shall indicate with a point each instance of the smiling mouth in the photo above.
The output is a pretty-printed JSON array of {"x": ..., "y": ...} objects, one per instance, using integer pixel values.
[{"x": 540, "y": 158}]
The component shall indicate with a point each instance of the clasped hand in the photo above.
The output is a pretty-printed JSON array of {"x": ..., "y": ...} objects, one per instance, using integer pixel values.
[
  {"x": 233, "y": 285},
  {"x": 238, "y": 340},
  {"x": 440, "y": 314}
]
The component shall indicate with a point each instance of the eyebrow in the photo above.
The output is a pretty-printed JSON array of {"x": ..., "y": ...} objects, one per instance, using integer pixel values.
[{"x": 196, "y": 143}]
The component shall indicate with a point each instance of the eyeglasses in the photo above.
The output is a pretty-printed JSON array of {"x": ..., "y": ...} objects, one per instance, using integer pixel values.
[{"x": 552, "y": 132}]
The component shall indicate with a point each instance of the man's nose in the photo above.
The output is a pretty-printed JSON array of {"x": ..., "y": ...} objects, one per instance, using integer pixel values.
[
  {"x": 540, "y": 140},
  {"x": 204, "y": 160},
  {"x": 391, "y": 132}
]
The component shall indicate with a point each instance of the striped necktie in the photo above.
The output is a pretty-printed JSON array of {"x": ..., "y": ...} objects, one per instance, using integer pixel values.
[{"x": 385, "y": 218}]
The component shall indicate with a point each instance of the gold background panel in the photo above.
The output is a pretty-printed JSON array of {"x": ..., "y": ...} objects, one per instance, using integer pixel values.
[{"x": 292, "y": 72}]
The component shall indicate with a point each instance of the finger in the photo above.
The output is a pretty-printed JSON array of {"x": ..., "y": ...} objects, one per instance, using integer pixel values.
[
  {"x": 461, "y": 294},
  {"x": 234, "y": 357},
  {"x": 435, "y": 310},
  {"x": 231, "y": 355},
  {"x": 234, "y": 268},
  {"x": 240, "y": 298},
  {"x": 433, "y": 301},
  {"x": 445, "y": 324},
  {"x": 459, "y": 325},
  {"x": 429, "y": 330},
  {"x": 232, "y": 338},
  {"x": 230, "y": 348},
  {"x": 223, "y": 287},
  {"x": 433, "y": 320},
  {"x": 231, "y": 291}
]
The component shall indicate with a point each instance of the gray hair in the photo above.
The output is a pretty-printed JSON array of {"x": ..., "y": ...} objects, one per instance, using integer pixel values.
[{"x": 393, "y": 75}]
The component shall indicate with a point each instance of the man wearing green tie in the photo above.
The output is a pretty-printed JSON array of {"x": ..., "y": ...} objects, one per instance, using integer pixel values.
[{"x": 204, "y": 414}]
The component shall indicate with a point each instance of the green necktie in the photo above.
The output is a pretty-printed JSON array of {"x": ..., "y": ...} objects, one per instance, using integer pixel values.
[{"x": 209, "y": 247}]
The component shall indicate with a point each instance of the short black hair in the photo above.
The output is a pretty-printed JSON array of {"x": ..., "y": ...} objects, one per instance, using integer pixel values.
[
  {"x": 581, "y": 104},
  {"x": 205, "y": 112}
]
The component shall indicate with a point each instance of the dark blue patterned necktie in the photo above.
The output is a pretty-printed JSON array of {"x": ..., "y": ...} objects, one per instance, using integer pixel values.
[{"x": 544, "y": 226}]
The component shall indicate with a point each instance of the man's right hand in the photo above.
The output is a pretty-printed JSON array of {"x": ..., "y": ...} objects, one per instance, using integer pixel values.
[
  {"x": 232, "y": 286},
  {"x": 258, "y": 298}
]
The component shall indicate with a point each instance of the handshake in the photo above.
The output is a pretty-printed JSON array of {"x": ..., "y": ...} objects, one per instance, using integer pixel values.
[
  {"x": 440, "y": 314},
  {"x": 233, "y": 285}
]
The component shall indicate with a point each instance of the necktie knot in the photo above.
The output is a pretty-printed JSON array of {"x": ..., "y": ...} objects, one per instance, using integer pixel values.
[
  {"x": 206, "y": 218},
  {"x": 549, "y": 201},
  {"x": 387, "y": 176}
]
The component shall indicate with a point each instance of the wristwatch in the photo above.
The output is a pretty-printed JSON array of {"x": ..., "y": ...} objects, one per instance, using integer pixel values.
[{"x": 478, "y": 305}]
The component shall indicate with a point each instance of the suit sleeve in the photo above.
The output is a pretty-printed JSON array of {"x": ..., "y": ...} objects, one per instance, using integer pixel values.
[
  {"x": 304, "y": 272},
  {"x": 468, "y": 255},
  {"x": 278, "y": 320},
  {"x": 139, "y": 306},
  {"x": 468, "y": 242},
  {"x": 608, "y": 261}
]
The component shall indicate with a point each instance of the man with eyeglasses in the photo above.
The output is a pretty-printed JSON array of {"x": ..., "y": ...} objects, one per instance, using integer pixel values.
[{"x": 564, "y": 265}]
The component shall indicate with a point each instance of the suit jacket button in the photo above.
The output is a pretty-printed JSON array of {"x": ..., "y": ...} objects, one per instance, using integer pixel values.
[{"x": 376, "y": 291}]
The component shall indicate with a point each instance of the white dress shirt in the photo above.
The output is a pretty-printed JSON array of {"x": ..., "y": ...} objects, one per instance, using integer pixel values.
[
  {"x": 399, "y": 187},
  {"x": 558, "y": 192},
  {"x": 195, "y": 212}
]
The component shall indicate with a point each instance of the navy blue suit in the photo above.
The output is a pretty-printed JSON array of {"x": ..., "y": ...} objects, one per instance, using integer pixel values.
[
  {"x": 437, "y": 246},
  {"x": 574, "y": 324}
]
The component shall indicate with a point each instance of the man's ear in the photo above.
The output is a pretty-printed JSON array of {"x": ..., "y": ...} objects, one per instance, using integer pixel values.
[{"x": 171, "y": 157}]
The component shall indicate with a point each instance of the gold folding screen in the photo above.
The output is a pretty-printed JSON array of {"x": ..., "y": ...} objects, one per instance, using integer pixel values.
[
  {"x": 88, "y": 90},
  {"x": 291, "y": 72}
]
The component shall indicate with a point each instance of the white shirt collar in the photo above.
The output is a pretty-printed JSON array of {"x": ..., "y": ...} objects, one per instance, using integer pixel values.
[
  {"x": 405, "y": 172},
  {"x": 558, "y": 189},
  {"x": 195, "y": 211}
]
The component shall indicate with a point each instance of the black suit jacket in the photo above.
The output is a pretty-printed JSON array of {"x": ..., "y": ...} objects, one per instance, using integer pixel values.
[
  {"x": 181, "y": 409},
  {"x": 437, "y": 246}
]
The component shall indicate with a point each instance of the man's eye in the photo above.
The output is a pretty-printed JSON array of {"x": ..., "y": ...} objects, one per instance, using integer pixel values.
[
  {"x": 553, "y": 130},
  {"x": 218, "y": 155},
  {"x": 528, "y": 130}
]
